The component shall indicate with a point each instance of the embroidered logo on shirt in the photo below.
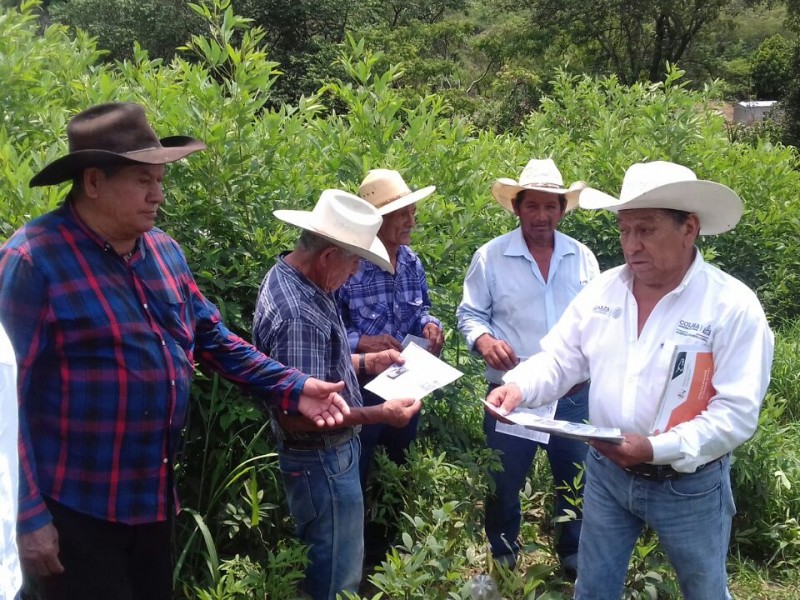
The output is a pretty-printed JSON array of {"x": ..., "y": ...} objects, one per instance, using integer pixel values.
[
  {"x": 607, "y": 311},
  {"x": 693, "y": 329}
]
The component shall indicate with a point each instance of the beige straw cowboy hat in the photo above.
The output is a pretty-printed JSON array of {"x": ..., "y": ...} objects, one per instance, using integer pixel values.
[
  {"x": 116, "y": 133},
  {"x": 386, "y": 190},
  {"x": 538, "y": 174},
  {"x": 662, "y": 184},
  {"x": 347, "y": 221}
]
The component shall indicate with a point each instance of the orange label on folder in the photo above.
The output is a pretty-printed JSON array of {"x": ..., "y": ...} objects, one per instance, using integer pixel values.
[{"x": 689, "y": 388}]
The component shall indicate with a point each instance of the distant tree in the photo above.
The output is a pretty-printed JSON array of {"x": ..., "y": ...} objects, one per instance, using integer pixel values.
[
  {"x": 632, "y": 38},
  {"x": 160, "y": 26},
  {"x": 771, "y": 68}
]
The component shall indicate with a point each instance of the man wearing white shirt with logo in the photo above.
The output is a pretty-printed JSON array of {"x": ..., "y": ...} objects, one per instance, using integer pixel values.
[
  {"x": 622, "y": 331},
  {"x": 515, "y": 290},
  {"x": 10, "y": 574}
]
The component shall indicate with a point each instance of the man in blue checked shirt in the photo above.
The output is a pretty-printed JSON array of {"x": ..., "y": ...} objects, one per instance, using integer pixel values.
[
  {"x": 107, "y": 323},
  {"x": 297, "y": 321},
  {"x": 380, "y": 308},
  {"x": 515, "y": 290}
]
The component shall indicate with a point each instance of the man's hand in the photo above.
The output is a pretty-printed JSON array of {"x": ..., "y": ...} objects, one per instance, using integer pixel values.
[
  {"x": 497, "y": 353},
  {"x": 505, "y": 398},
  {"x": 435, "y": 337},
  {"x": 38, "y": 551},
  {"x": 377, "y": 343},
  {"x": 634, "y": 449},
  {"x": 378, "y": 362},
  {"x": 398, "y": 412},
  {"x": 320, "y": 401}
]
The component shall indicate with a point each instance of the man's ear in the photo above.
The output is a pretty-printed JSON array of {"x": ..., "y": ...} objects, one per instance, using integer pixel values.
[
  {"x": 329, "y": 254},
  {"x": 692, "y": 225},
  {"x": 91, "y": 179}
]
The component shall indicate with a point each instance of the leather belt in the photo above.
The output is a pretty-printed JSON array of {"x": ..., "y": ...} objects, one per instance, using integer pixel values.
[
  {"x": 318, "y": 441},
  {"x": 662, "y": 472},
  {"x": 575, "y": 388}
]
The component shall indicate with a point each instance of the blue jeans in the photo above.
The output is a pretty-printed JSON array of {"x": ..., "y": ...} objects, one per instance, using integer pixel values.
[
  {"x": 324, "y": 496},
  {"x": 691, "y": 515},
  {"x": 566, "y": 457}
]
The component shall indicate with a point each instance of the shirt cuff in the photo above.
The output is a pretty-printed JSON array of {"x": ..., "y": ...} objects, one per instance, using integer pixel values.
[
  {"x": 352, "y": 340},
  {"x": 666, "y": 447},
  {"x": 473, "y": 336},
  {"x": 429, "y": 319},
  {"x": 33, "y": 515},
  {"x": 291, "y": 402}
]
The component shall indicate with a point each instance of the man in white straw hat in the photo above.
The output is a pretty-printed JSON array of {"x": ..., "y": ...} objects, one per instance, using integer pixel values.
[
  {"x": 679, "y": 354},
  {"x": 380, "y": 309},
  {"x": 516, "y": 288},
  {"x": 107, "y": 323},
  {"x": 298, "y": 322}
]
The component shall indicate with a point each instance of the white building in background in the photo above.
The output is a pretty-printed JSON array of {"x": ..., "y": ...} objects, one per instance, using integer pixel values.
[{"x": 748, "y": 112}]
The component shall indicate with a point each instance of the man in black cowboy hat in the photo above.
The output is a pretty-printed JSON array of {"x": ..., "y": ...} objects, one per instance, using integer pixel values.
[{"x": 107, "y": 322}]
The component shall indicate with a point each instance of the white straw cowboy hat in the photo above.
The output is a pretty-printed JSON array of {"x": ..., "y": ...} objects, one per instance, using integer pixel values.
[
  {"x": 116, "y": 133},
  {"x": 386, "y": 190},
  {"x": 662, "y": 184},
  {"x": 347, "y": 221},
  {"x": 538, "y": 174}
]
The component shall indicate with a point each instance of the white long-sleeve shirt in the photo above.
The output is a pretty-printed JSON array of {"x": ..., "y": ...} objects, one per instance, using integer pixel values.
[
  {"x": 10, "y": 574},
  {"x": 597, "y": 337},
  {"x": 506, "y": 296}
]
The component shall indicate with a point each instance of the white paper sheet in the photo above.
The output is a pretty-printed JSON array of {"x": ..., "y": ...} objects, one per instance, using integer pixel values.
[{"x": 421, "y": 374}]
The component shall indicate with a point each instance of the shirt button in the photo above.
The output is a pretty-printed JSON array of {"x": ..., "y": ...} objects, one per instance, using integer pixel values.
[
  {"x": 163, "y": 343},
  {"x": 172, "y": 383},
  {"x": 166, "y": 461},
  {"x": 145, "y": 305}
]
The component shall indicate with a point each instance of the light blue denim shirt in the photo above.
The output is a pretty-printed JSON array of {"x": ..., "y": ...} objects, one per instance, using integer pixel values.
[{"x": 506, "y": 296}]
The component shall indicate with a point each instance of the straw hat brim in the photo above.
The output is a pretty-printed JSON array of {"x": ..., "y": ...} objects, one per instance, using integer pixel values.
[
  {"x": 717, "y": 207},
  {"x": 505, "y": 190},
  {"x": 406, "y": 200},
  {"x": 65, "y": 168},
  {"x": 376, "y": 253}
]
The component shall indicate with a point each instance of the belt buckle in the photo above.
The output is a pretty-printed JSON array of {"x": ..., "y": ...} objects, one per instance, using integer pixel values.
[{"x": 653, "y": 472}]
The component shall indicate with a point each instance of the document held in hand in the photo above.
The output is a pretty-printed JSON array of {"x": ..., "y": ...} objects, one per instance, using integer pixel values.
[
  {"x": 417, "y": 377},
  {"x": 576, "y": 431},
  {"x": 688, "y": 389}
]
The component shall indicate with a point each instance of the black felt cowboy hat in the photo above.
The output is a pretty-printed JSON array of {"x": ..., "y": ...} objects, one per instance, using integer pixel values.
[{"x": 116, "y": 133}]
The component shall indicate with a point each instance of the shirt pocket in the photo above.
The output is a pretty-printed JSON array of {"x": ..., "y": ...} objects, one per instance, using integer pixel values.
[
  {"x": 174, "y": 314},
  {"x": 373, "y": 319},
  {"x": 411, "y": 307}
]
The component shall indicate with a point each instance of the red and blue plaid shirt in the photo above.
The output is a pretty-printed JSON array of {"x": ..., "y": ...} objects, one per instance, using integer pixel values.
[{"x": 106, "y": 351}]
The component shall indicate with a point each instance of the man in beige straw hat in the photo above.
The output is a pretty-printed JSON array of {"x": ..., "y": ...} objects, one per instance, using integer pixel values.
[
  {"x": 516, "y": 288},
  {"x": 664, "y": 329},
  {"x": 380, "y": 309},
  {"x": 297, "y": 321},
  {"x": 107, "y": 322}
]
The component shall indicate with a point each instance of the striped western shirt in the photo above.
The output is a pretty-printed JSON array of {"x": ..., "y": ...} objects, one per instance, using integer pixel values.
[
  {"x": 375, "y": 302},
  {"x": 298, "y": 323},
  {"x": 106, "y": 351}
]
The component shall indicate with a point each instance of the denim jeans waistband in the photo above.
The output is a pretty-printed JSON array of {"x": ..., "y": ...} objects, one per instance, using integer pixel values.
[
  {"x": 318, "y": 441},
  {"x": 662, "y": 472}
]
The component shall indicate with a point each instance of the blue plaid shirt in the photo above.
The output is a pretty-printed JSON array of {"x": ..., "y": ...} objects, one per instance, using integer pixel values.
[
  {"x": 374, "y": 302},
  {"x": 298, "y": 324},
  {"x": 106, "y": 351}
]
